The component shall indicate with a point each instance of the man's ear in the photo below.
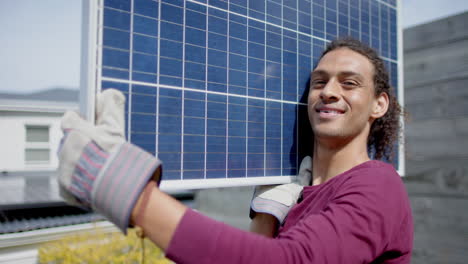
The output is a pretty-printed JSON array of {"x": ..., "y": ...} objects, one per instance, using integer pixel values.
[{"x": 380, "y": 106}]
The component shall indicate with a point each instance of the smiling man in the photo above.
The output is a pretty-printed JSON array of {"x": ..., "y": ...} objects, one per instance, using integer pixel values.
[
  {"x": 356, "y": 209},
  {"x": 343, "y": 104}
]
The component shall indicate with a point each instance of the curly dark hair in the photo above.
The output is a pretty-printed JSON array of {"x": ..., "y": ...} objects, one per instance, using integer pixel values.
[{"x": 384, "y": 131}]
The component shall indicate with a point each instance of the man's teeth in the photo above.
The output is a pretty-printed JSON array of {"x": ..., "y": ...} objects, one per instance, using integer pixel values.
[{"x": 329, "y": 111}]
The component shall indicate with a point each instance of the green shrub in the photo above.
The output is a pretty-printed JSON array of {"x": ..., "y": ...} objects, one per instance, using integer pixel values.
[{"x": 98, "y": 247}]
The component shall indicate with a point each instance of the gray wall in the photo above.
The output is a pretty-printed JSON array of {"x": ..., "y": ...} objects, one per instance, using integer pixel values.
[
  {"x": 229, "y": 205},
  {"x": 436, "y": 98}
]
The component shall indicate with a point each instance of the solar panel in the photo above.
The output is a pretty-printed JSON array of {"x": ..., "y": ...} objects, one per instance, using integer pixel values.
[{"x": 216, "y": 89}]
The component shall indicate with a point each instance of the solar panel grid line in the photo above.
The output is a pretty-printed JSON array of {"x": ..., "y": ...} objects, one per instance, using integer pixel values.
[
  {"x": 198, "y": 91},
  {"x": 265, "y": 104},
  {"x": 282, "y": 94},
  {"x": 325, "y": 24},
  {"x": 367, "y": 7},
  {"x": 130, "y": 72},
  {"x": 158, "y": 43},
  {"x": 213, "y": 103},
  {"x": 379, "y": 29},
  {"x": 363, "y": 22},
  {"x": 375, "y": 26},
  {"x": 383, "y": 12},
  {"x": 386, "y": 33},
  {"x": 228, "y": 77},
  {"x": 206, "y": 97},
  {"x": 344, "y": 10},
  {"x": 385, "y": 3},
  {"x": 297, "y": 86},
  {"x": 384, "y": 30},
  {"x": 389, "y": 34},
  {"x": 350, "y": 20},
  {"x": 390, "y": 60},
  {"x": 247, "y": 108},
  {"x": 182, "y": 120}
]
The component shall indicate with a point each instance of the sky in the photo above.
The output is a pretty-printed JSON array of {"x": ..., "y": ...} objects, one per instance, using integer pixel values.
[
  {"x": 415, "y": 12},
  {"x": 40, "y": 40},
  {"x": 39, "y": 44}
]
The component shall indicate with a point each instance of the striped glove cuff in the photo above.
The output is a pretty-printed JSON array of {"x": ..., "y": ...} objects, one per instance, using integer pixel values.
[
  {"x": 121, "y": 181},
  {"x": 87, "y": 168},
  {"x": 267, "y": 206}
]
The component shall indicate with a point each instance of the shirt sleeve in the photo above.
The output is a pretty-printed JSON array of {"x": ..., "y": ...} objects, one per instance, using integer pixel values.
[{"x": 355, "y": 227}]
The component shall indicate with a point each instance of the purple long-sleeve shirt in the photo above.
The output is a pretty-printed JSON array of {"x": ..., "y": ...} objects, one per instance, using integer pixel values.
[{"x": 360, "y": 216}]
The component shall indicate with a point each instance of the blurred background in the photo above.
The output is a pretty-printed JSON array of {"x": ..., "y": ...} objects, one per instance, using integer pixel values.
[{"x": 39, "y": 79}]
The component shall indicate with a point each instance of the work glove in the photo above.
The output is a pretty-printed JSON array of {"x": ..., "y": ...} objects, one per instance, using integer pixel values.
[
  {"x": 277, "y": 200},
  {"x": 98, "y": 170}
]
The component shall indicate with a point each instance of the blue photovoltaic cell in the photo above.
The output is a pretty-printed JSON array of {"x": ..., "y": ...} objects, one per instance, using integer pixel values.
[{"x": 216, "y": 89}]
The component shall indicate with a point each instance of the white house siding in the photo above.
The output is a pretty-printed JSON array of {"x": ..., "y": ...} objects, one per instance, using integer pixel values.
[{"x": 13, "y": 139}]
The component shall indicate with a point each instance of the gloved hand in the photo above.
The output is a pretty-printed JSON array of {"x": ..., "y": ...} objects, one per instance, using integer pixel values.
[
  {"x": 277, "y": 200},
  {"x": 98, "y": 169}
]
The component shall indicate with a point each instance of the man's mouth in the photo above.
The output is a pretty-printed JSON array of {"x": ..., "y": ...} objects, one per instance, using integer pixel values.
[{"x": 329, "y": 112}]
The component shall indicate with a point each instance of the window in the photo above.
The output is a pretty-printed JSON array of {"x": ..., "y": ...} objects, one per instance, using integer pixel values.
[{"x": 37, "y": 149}]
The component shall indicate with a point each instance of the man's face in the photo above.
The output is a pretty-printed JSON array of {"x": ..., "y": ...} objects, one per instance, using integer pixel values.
[{"x": 341, "y": 99}]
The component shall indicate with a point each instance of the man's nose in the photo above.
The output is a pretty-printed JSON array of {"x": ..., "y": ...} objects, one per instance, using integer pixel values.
[{"x": 331, "y": 92}]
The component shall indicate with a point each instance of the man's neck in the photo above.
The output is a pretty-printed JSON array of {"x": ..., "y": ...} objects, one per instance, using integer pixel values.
[{"x": 332, "y": 160}]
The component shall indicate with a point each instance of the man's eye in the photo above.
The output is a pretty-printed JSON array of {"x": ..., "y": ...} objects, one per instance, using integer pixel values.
[
  {"x": 350, "y": 83},
  {"x": 318, "y": 83}
]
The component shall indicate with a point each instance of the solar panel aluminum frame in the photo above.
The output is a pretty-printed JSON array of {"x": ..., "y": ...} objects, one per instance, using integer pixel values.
[
  {"x": 90, "y": 85},
  {"x": 89, "y": 72},
  {"x": 401, "y": 89}
]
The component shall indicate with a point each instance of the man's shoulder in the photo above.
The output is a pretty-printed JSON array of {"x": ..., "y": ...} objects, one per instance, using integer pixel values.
[
  {"x": 375, "y": 173},
  {"x": 378, "y": 182},
  {"x": 374, "y": 167}
]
